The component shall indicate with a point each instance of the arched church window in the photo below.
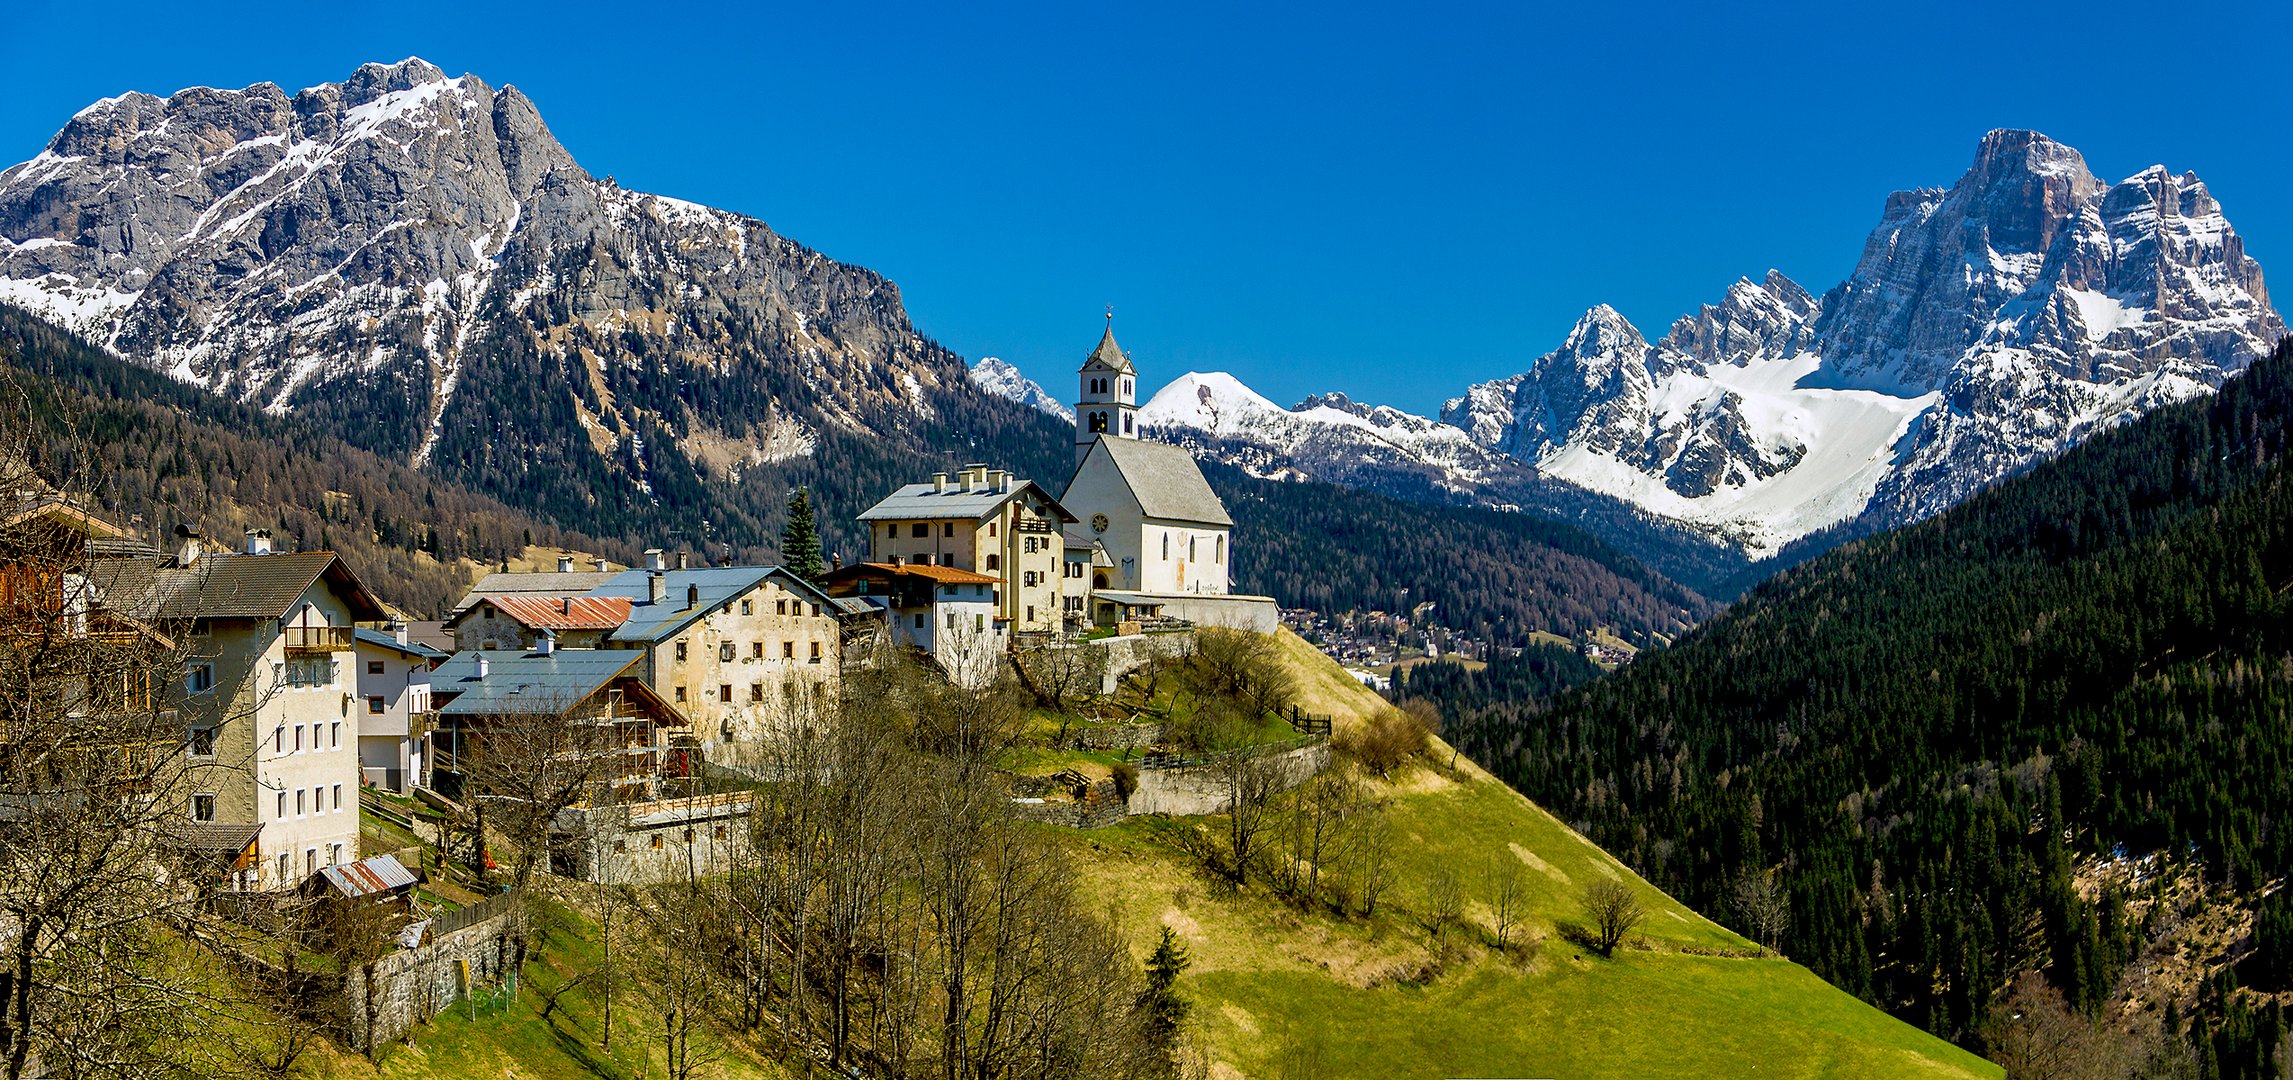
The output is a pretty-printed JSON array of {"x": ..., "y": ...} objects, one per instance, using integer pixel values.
[
  {"x": 1126, "y": 423},
  {"x": 1098, "y": 422}
]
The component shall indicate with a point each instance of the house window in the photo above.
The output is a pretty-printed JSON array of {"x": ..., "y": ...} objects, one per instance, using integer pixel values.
[
  {"x": 285, "y": 867},
  {"x": 1190, "y": 556},
  {"x": 310, "y": 861},
  {"x": 947, "y": 528},
  {"x": 334, "y": 733},
  {"x": 338, "y": 796},
  {"x": 282, "y": 805},
  {"x": 815, "y": 652},
  {"x": 718, "y": 832},
  {"x": 680, "y": 693},
  {"x": 923, "y": 560},
  {"x": 1166, "y": 545},
  {"x": 1126, "y": 423},
  {"x": 202, "y": 742},
  {"x": 748, "y": 607},
  {"x": 995, "y": 562},
  {"x": 1030, "y": 613},
  {"x": 726, "y": 652},
  {"x": 198, "y": 678},
  {"x": 374, "y": 704},
  {"x": 891, "y": 532},
  {"x": 991, "y": 528},
  {"x": 298, "y": 738},
  {"x": 756, "y": 650},
  {"x": 920, "y": 530},
  {"x": 688, "y": 834},
  {"x": 788, "y": 650},
  {"x": 681, "y": 650},
  {"x": 1218, "y": 550},
  {"x": 756, "y": 691},
  {"x": 919, "y": 620},
  {"x": 300, "y": 810},
  {"x": 724, "y": 692},
  {"x": 203, "y": 807},
  {"x": 334, "y": 855},
  {"x": 374, "y": 667},
  {"x": 656, "y": 841},
  {"x": 979, "y": 622},
  {"x": 780, "y": 607},
  {"x": 951, "y": 617},
  {"x": 815, "y": 611},
  {"x": 621, "y": 847}
]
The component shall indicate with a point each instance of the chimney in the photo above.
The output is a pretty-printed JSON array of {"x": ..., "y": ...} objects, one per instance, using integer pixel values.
[
  {"x": 258, "y": 541},
  {"x": 683, "y": 562},
  {"x": 564, "y": 562},
  {"x": 188, "y": 544},
  {"x": 656, "y": 586},
  {"x": 939, "y": 483},
  {"x": 398, "y": 631},
  {"x": 601, "y": 567},
  {"x": 692, "y": 596},
  {"x": 999, "y": 480},
  {"x": 545, "y": 643},
  {"x": 565, "y": 605},
  {"x": 481, "y": 667},
  {"x": 654, "y": 560}
]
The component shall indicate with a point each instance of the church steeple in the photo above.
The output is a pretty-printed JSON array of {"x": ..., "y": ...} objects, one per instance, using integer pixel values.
[{"x": 1109, "y": 401}]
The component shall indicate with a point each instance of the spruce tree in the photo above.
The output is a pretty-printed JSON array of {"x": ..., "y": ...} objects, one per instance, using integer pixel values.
[
  {"x": 1164, "y": 1009},
  {"x": 800, "y": 541}
]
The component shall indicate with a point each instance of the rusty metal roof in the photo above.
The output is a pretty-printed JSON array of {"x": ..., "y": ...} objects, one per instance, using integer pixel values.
[
  {"x": 564, "y": 612},
  {"x": 369, "y": 876}
]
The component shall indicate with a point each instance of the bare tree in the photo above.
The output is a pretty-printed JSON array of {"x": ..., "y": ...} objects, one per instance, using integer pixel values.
[
  {"x": 1371, "y": 868},
  {"x": 1063, "y": 677},
  {"x": 1507, "y": 896},
  {"x": 1445, "y": 906},
  {"x": 2037, "y": 1036},
  {"x": 95, "y": 796},
  {"x": 1761, "y": 906},
  {"x": 677, "y": 915},
  {"x": 1614, "y": 911}
]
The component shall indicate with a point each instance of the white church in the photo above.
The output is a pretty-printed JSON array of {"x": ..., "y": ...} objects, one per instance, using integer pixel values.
[{"x": 1150, "y": 536}]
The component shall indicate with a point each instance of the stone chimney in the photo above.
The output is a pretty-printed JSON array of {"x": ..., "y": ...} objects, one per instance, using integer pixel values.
[
  {"x": 189, "y": 544},
  {"x": 564, "y": 562},
  {"x": 258, "y": 541},
  {"x": 654, "y": 559},
  {"x": 481, "y": 667},
  {"x": 656, "y": 586},
  {"x": 692, "y": 596},
  {"x": 684, "y": 560},
  {"x": 939, "y": 483}
]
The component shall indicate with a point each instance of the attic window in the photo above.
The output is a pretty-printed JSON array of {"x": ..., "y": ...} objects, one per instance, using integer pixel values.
[
  {"x": 681, "y": 650},
  {"x": 748, "y": 607}
]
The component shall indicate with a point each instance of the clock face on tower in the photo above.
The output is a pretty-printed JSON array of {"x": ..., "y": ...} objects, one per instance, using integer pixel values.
[{"x": 1098, "y": 522}]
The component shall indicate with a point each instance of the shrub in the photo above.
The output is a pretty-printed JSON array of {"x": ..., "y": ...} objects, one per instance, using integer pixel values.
[{"x": 1386, "y": 742}]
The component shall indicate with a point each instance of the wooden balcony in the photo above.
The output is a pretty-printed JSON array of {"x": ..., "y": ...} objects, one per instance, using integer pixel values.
[{"x": 319, "y": 639}]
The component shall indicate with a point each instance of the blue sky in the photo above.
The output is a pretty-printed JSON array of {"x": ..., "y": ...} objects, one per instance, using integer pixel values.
[{"x": 1390, "y": 200}]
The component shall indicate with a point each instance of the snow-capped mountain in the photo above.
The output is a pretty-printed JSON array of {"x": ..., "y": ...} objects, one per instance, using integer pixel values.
[
  {"x": 415, "y": 262},
  {"x": 998, "y": 377},
  {"x": 1986, "y": 326}
]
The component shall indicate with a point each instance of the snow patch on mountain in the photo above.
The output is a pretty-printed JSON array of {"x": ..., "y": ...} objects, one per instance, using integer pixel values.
[{"x": 1004, "y": 380}]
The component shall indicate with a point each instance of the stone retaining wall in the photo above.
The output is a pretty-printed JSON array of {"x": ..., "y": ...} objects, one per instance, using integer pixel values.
[
  {"x": 1200, "y": 789},
  {"x": 386, "y": 998}
]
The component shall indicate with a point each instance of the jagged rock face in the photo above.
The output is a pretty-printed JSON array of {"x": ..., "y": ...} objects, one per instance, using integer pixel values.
[
  {"x": 1987, "y": 325},
  {"x": 1591, "y": 391},
  {"x": 998, "y": 377},
  {"x": 345, "y": 250}
]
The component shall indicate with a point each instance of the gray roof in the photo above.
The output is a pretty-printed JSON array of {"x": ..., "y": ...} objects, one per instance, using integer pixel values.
[
  {"x": 536, "y": 583},
  {"x": 1109, "y": 354},
  {"x": 1166, "y": 479},
  {"x": 921, "y": 501},
  {"x": 411, "y": 647},
  {"x": 718, "y": 586},
  {"x": 225, "y": 586},
  {"x": 527, "y": 684}
]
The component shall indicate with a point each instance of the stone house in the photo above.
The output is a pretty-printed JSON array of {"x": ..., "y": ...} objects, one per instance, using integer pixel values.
[
  {"x": 268, "y": 704},
  {"x": 600, "y": 694},
  {"x": 985, "y": 521}
]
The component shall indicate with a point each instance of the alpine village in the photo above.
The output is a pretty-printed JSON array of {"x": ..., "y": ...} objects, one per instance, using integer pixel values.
[{"x": 462, "y": 617}]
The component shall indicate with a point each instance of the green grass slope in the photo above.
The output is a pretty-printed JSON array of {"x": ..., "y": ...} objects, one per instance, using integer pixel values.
[{"x": 1278, "y": 991}]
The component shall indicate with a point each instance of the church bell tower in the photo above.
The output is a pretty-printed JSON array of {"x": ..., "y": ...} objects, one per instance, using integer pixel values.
[{"x": 1109, "y": 402}]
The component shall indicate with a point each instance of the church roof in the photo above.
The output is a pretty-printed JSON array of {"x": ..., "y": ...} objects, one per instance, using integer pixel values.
[
  {"x": 1166, "y": 480},
  {"x": 1109, "y": 354}
]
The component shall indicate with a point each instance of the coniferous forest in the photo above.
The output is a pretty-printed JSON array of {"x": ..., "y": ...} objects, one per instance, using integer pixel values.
[{"x": 1925, "y": 736}]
